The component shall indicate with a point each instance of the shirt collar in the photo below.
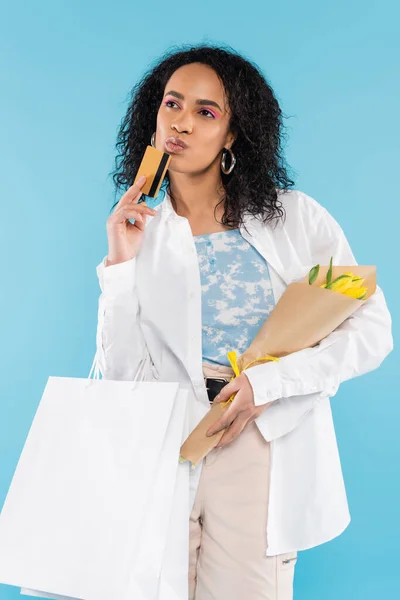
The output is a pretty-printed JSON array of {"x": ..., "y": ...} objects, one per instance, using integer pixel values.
[{"x": 262, "y": 237}]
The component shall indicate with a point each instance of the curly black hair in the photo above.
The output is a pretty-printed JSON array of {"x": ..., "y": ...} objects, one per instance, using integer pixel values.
[{"x": 260, "y": 173}]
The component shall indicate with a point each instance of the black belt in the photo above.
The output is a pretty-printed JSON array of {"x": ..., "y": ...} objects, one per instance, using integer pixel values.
[{"x": 214, "y": 385}]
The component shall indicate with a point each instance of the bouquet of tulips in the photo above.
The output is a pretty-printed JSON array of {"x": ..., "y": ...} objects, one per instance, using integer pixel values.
[
  {"x": 347, "y": 284},
  {"x": 305, "y": 314}
]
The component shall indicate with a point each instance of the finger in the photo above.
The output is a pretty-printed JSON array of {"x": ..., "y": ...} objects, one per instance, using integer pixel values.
[
  {"x": 233, "y": 431},
  {"x": 224, "y": 422},
  {"x": 140, "y": 222},
  {"x": 130, "y": 211},
  {"x": 228, "y": 390},
  {"x": 133, "y": 193},
  {"x": 123, "y": 213}
]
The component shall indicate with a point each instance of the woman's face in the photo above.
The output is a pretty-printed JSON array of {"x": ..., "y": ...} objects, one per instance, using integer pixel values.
[{"x": 194, "y": 110}]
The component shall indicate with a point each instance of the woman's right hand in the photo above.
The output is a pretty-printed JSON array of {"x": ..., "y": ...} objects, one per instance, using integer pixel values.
[{"x": 125, "y": 238}]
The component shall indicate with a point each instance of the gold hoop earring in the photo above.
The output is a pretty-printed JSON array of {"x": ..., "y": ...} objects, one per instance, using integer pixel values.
[
  {"x": 152, "y": 141},
  {"x": 223, "y": 161}
]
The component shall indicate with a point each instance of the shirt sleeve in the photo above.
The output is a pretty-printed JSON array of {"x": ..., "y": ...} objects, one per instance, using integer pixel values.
[
  {"x": 120, "y": 345},
  {"x": 285, "y": 414},
  {"x": 356, "y": 347}
]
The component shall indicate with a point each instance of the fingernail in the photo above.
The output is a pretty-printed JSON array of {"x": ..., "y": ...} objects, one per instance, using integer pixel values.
[{"x": 141, "y": 178}]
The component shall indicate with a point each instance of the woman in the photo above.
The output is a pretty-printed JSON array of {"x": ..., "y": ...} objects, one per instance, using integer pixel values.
[{"x": 196, "y": 278}]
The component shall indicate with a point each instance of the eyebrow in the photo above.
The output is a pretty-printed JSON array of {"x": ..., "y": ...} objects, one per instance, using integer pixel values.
[{"x": 201, "y": 102}]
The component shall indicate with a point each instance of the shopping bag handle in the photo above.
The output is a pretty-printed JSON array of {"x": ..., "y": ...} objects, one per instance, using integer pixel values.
[{"x": 95, "y": 369}]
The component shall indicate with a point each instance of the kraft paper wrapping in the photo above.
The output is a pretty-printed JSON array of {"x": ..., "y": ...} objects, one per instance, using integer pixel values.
[{"x": 304, "y": 315}]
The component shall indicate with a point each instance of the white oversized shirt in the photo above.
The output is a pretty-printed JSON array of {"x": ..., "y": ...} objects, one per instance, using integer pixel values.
[{"x": 153, "y": 302}]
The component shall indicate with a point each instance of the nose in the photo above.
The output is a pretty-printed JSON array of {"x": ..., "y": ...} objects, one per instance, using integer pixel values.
[{"x": 183, "y": 124}]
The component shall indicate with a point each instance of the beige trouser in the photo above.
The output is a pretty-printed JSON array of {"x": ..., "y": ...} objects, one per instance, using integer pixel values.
[{"x": 227, "y": 559}]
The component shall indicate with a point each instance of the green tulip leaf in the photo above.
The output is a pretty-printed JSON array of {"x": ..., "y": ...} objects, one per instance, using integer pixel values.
[
  {"x": 332, "y": 283},
  {"x": 329, "y": 273},
  {"x": 313, "y": 274}
]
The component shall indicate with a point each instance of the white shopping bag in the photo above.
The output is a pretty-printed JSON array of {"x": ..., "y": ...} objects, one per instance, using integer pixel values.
[
  {"x": 86, "y": 483},
  {"x": 159, "y": 535},
  {"x": 158, "y": 567},
  {"x": 174, "y": 577}
]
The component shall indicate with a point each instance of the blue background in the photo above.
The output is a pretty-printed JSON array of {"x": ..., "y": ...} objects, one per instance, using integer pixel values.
[{"x": 66, "y": 70}]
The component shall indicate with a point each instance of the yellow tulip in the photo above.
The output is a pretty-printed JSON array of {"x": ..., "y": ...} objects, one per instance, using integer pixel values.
[
  {"x": 357, "y": 282},
  {"x": 356, "y": 292},
  {"x": 347, "y": 283},
  {"x": 341, "y": 283},
  {"x": 344, "y": 282}
]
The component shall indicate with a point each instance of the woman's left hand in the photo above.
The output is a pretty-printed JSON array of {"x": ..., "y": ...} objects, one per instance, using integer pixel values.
[{"x": 241, "y": 411}]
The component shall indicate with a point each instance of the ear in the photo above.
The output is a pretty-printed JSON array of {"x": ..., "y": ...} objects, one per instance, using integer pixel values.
[{"x": 230, "y": 139}]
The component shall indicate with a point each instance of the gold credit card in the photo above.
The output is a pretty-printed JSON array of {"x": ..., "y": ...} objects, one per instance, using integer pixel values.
[{"x": 154, "y": 165}]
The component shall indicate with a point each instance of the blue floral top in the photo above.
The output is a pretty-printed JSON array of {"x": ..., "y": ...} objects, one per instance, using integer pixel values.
[{"x": 237, "y": 294}]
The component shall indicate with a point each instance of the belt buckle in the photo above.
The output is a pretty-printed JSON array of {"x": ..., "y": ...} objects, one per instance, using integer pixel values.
[{"x": 222, "y": 379}]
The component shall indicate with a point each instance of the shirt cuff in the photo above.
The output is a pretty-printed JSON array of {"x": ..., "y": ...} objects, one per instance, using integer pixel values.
[
  {"x": 285, "y": 415},
  {"x": 117, "y": 279},
  {"x": 265, "y": 382},
  {"x": 274, "y": 380}
]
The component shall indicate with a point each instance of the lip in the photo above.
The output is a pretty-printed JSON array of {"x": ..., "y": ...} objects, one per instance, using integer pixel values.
[{"x": 174, "y": 144}]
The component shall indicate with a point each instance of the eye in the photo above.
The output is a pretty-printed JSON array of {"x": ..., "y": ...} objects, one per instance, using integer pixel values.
[
  {"x": 209, "y": 114},
  {"x": 170, "y": 102},
  {"x": 208, "y": 111}
]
